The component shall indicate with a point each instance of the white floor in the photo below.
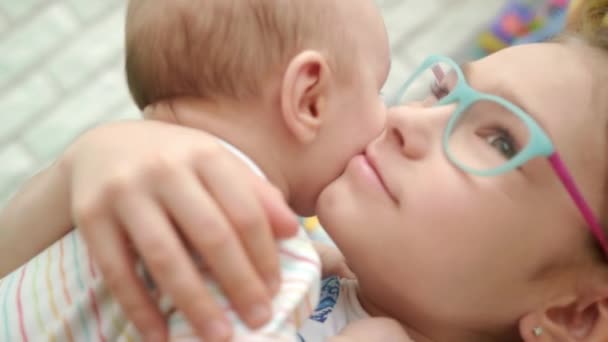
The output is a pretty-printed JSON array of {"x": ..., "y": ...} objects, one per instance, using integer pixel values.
[{"x": 61, "y": 67}]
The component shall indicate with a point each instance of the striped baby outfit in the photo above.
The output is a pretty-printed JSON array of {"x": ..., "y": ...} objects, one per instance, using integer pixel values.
[{"x": 60, "y": 296}]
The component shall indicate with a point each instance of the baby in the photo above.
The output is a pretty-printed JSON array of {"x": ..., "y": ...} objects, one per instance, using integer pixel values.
[{"x": 305, "y": 71}]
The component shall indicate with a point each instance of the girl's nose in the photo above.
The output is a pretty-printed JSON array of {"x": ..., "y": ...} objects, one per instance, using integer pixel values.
[{"x": 413, "y": 129}]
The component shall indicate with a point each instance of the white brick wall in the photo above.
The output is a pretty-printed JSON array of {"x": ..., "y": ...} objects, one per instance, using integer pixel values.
[
  {"x": 60, "y": 73},
  {"x": 61, "y": 67}
]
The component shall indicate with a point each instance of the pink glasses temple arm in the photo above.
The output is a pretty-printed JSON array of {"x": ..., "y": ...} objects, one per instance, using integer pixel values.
[{"x": 568, "y": 181}]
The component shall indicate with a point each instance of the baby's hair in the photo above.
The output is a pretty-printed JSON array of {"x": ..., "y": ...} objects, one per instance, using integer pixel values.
[{"x": 215, "y": 49}]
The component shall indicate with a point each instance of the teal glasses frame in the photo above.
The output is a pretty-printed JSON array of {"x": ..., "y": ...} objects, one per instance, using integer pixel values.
[{"x": 539, "y": 145}]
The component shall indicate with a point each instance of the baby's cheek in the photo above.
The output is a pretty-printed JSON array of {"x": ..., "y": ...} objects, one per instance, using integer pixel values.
[
  {"x": 367, "y": 122},
  {"x": 379, "y": 118}
]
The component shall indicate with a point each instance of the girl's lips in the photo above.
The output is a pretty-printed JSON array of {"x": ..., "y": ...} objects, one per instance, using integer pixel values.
[{"x": 373, "y": 166}]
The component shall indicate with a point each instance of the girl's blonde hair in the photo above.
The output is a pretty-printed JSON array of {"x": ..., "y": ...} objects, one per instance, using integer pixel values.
[
  {"x": 587, "y": 21},
  {"x": 589, "y": 18}
]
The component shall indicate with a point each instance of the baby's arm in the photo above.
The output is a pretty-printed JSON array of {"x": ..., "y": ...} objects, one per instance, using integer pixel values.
[{"x": 37, "y": 216}]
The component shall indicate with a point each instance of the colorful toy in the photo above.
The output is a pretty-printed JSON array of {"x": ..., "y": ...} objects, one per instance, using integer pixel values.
[
  {"x": 315, "y": 230},
  {"x": 522, "y": 21}
]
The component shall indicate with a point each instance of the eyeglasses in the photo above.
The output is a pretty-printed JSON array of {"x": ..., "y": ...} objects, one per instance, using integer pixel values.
[{"x": 487, "y": 135}]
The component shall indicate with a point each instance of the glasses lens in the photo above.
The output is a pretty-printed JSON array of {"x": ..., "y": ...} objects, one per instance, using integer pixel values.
[
  {"x": 428, "y": 87},
  {"x": 486, "y": 136}
]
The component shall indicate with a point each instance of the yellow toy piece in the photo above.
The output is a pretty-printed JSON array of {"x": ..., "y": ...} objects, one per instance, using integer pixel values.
[
  {"x": 490, "y": 42},
  {"x": 311, "y": 223}
]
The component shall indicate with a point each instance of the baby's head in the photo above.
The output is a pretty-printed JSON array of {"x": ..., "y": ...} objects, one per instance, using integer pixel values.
[
  {"x": 464, "y": 257},
  {"x": 309, "y": 71}
]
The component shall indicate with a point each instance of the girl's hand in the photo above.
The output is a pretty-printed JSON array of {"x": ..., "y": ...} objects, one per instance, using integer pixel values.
[{"x": 163, "y": 191}]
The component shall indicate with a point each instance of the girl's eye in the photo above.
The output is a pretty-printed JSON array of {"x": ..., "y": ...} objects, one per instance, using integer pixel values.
[{"x": 504, "y": 143}]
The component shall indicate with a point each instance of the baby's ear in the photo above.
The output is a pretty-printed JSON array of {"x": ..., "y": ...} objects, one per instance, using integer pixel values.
[
  {"x": 576, "y": 318},
  {"x": 304, "y": 94}
]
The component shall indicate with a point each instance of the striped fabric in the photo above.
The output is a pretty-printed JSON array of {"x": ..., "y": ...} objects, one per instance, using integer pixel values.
[{"x": 60, "y": 296}]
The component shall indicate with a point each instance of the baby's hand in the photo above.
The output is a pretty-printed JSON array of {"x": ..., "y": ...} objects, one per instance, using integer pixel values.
[
  {"x": 169, "y": 189},
  {"x": 373, "y": 329}
]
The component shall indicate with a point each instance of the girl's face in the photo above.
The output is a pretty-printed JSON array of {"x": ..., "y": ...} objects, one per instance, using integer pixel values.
[{"x": 431, "y": 244}]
